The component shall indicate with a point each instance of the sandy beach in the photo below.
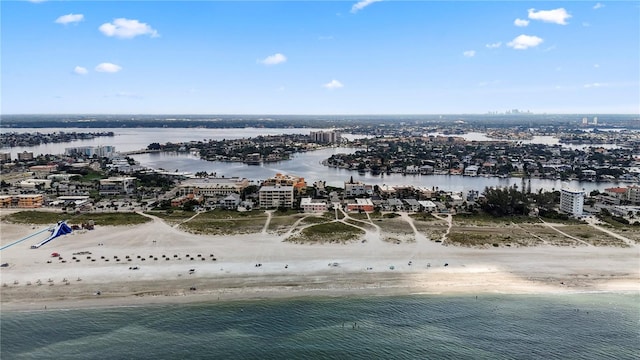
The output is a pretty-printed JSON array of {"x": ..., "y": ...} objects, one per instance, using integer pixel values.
[{"x": 158, "y": 263}]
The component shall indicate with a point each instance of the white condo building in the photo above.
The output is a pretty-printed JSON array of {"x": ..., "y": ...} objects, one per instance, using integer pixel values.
[
  {"x": 357, "y": 188},
  {"x": 326, "y": 137},
  {"x": 90, "y": 151},
  {"x": 572, "y": 201},
  {"x": 276, "y": 196}
]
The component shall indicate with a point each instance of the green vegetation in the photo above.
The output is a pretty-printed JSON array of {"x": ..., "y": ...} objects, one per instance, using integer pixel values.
[
  {"x": 327, "y": 233},
  {"x": 431, "y": 229},
  {"x": 491, "y": 239},
  {"x": 49, "y": 218},
  {"x": 202, "y": 225},
  {"x": 553, "y": 215},
  {"x": 285, "y": 211},
  {"x": 91, "y": 175},
  {"x": 329, "y": 215},
  {"x": 172, "y": 217},
  {"x": 364, "y": 225},
  {"x": 225, "y": 222},
  {"x": 153, "y": 180},
  {"x": 505, "y": 202},
  {"x": 569, "y": 221},
  {"x": 313, "y": 220},
  {"x": 282, "y": 223},
  {"x": 395, "y": 230},
  {"x": 359, "y": 216},
  {"x": 423, "y": 217},
  {"x": 484, "y": 219},
  {"x": 616, "y": 221},
  {"x": 229, "y": 214},
  {"x": 592, "y": 236}
]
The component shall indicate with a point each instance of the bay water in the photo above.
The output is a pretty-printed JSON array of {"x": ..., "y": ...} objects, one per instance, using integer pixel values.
[{"x": 307, "y": 165}]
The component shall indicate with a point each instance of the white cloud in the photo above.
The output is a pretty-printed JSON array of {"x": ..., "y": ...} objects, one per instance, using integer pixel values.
[
  {"x": 69, "y": 18},
  {"x": 494, "y": 45},
  {"x": 596, "y": 65},
  {"x": 594, "y": 85},
  {"x": 598, "y": 6},
  {"x": 521, "y": 22},
  {"x": 127, "y": 29},
  {"x": 273, "y": 59},
  {"x": 108, "y": 68},
  {"x": 469, "y": 53},
  {"x": 36, "y": 1},
  {"x": 80, "y": 70},
  {"x": 334, "y": 84},
  {"x": 523, "y": 42},
  {"x": 362, "y": 4},
  {"x": 556, "y": 16}
]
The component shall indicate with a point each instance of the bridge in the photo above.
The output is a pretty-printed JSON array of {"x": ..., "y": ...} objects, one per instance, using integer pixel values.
[{"x": 141, "y": 151}]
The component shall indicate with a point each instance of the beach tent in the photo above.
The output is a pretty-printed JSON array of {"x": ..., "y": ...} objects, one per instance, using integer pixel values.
[{"x": 61, "y": 229}]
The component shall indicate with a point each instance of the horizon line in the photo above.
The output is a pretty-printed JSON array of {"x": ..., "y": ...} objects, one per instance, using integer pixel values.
[{"x": 310, "y": 114}]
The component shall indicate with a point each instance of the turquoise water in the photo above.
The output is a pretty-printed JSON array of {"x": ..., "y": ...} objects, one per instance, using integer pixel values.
[{"x": 585, "y": 326}]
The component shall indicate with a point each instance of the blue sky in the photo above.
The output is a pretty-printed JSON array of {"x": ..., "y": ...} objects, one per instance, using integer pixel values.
[{"x": 319, "y": 57}]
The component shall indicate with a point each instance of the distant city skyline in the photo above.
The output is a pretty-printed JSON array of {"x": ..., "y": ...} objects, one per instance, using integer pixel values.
[{"x": 319, "y": 58}]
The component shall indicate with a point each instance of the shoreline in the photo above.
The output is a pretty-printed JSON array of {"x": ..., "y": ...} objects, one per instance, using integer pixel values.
[
  {"x": 228, "y": 298},
  {"x": 247, "y": 288},
  {"x": 262, "y": 266}
]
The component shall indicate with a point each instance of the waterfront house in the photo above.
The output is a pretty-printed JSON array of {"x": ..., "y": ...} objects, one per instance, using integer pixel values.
[
  {"x": 365, "y": 205},
  {"x": 471, "y": 170}
]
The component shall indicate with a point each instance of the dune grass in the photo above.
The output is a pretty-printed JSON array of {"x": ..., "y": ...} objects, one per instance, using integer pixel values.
[
  {"x": 334, "y": 232},
  {"x": 105, "y": 219}
]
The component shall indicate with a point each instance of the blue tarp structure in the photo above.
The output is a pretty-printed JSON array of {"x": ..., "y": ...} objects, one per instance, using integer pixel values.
[{"x": 61, "y": 229}]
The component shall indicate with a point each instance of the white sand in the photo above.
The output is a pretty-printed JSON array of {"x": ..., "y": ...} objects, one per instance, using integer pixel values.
[{"x": 363, "y": 268}]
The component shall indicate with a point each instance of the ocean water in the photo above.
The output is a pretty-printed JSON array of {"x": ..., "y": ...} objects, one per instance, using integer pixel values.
[{"x": 577, "y": 326}]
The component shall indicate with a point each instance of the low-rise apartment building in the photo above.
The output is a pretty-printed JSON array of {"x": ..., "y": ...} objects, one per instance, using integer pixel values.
[{"x": 275, "y": 196}]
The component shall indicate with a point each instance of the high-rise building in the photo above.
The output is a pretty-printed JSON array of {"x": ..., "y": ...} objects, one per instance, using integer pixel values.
[
  {"x": 5, "y": 157},
  {"x": 633, "y": 194},
  {"x": 325, "y": 137},
  {"x": 572, "y": 201},
  {"x": 25, "y": 156},
  {"x": 90, "y": 151}
]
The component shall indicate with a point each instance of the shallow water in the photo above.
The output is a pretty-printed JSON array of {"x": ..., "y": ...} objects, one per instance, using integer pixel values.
[{"x": 577, "y": 326}]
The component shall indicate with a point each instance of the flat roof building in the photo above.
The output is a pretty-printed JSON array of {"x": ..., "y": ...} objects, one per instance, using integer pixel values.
[
  {"x": 117, "y": 185},
  {"x": 365, "y": 205},
  {"x": 309, "y": 205},
  {"x": 213, "y": 187},
  {"x": 572, "y": 201},
  {"x": 275, "y": 196}
]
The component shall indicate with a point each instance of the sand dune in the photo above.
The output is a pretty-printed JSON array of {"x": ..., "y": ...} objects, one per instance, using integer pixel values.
[{"x": 263, "y": 266}]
